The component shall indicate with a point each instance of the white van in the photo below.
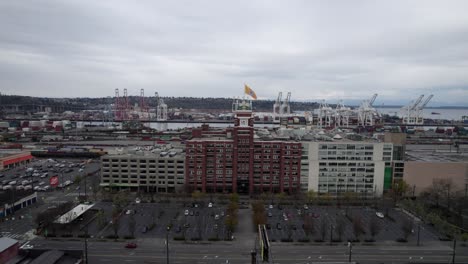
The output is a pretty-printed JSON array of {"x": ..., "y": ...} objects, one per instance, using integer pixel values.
[{"x": 7, "y": 187}]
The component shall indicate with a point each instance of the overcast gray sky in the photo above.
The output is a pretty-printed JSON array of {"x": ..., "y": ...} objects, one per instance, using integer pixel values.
[{"x": 316, "y": 49}]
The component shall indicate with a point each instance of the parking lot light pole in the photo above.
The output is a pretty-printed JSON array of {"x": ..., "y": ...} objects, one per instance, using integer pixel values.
[
  {"x": 419, "y": 229},
  {"x": 350, "y": 245},
  {"x": 453, "y": 253},
  {"x": 167, "y": 244}
]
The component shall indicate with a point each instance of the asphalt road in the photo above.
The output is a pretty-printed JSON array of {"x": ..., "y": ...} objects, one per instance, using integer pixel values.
[{"x": 153, "y": 251}]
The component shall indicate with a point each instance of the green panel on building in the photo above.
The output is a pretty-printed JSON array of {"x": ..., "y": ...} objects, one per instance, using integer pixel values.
[{"x": 388, "y": 178}]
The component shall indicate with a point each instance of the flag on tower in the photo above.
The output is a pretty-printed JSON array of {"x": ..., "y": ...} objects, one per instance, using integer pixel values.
[{"x": 250, "y": 92}]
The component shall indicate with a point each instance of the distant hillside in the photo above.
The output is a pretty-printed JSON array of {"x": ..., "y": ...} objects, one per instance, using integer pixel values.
[{"x": 172, "y": 102}]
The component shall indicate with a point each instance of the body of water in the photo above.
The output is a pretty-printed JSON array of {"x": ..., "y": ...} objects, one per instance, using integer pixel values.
[{"x": 447, "y": 114}]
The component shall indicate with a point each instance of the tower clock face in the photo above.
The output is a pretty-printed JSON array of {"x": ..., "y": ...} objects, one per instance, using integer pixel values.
[{"x": 243, "y": 122}]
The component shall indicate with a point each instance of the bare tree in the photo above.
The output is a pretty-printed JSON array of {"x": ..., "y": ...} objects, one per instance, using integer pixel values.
[
  {"x": 116, "y": 221},
  {"x": 101, "y": 219},
  {"x": 309, "y": 225},
  {"x": 358, "y": 229},
  {"x": 406, "y": 228},
  {"x": 323, "y": 229},
  {"x": 374, "y": 227},
  {"x": 132, "y": 225},
  {"x": 340, "y": 226}
]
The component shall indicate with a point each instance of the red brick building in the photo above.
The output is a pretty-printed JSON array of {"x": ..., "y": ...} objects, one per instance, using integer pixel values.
[{"x": 234, "y": 160}]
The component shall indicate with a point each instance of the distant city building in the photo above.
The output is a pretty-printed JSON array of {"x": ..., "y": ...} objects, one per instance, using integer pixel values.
[
  {"x": 237, "y": 160},
  {"x": 159, "y": 171}
]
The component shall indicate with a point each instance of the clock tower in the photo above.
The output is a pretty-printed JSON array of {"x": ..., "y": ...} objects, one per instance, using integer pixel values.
[
  {"x": 243, "y": 143},
  {"x": 242, "y": 109}
]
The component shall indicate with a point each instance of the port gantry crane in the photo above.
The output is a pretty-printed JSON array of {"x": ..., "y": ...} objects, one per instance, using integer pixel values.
[
  {"x": 413, "y": 112},
  {"x": 285, "y": 108},
  {"x": 366, "y": 112},
  {"x": 161, "y": 108},
  {"x": 325, "y": 115},
  {"x": 342, "y": 114},
  {"x": 277, "y": 108}
]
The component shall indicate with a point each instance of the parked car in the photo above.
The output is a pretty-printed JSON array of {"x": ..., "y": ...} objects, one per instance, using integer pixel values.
[
  {"x": 131, "y": 245},
  {"x": 186, "y": 212},
  {"x": 210, "y": 205},
  {"x": 379, "y": 215}
]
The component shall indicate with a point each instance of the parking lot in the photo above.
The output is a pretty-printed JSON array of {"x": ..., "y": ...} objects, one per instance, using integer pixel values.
[
  {"x": 196, "y": 222},
  {"x": 288, "y": 223},
  {"x": 36, "y": 175},
  {"x": 191, "y": 223}
]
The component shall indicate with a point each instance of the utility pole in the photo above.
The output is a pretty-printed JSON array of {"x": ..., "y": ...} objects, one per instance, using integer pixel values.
[
  {"x": 350, "y": 245},
  {"x": 419, "y": 229},
  {"x": 85, "y": 187},
  {"x": 86, "y": 246},
  {"x": 453, "y": 253},
  {"x": 331, "y": 233}
]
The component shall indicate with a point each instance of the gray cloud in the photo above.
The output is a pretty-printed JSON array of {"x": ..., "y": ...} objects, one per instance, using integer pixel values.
[{"x": 315, "y": 49}]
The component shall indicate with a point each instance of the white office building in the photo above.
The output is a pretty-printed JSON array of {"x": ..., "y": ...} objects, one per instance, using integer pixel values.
[{"x": 345, "y": 166}]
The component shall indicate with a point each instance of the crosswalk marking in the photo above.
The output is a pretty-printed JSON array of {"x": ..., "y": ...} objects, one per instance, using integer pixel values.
[{"x": 10, "y": 235}]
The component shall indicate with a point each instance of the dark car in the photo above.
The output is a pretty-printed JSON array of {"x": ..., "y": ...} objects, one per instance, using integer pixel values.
[
  {"x": 278, "y": 226},
  {"x": 197, "y": 213},
  {"x": 270, "y": 214},
  {"x": 178, "y": 229},
  {"x": 144, "y": 229},
  {"x": 268, "y": 226},
  {"x": 131, "y": 245}
]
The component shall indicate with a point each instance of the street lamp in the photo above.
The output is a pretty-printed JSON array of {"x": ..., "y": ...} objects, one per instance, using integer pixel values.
[
  {"x": 419, "y": 229},
  {"x": 453, "y": 253},
  {"x": 350, "y": 245},
  {"x": 167, "y": 243}
]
